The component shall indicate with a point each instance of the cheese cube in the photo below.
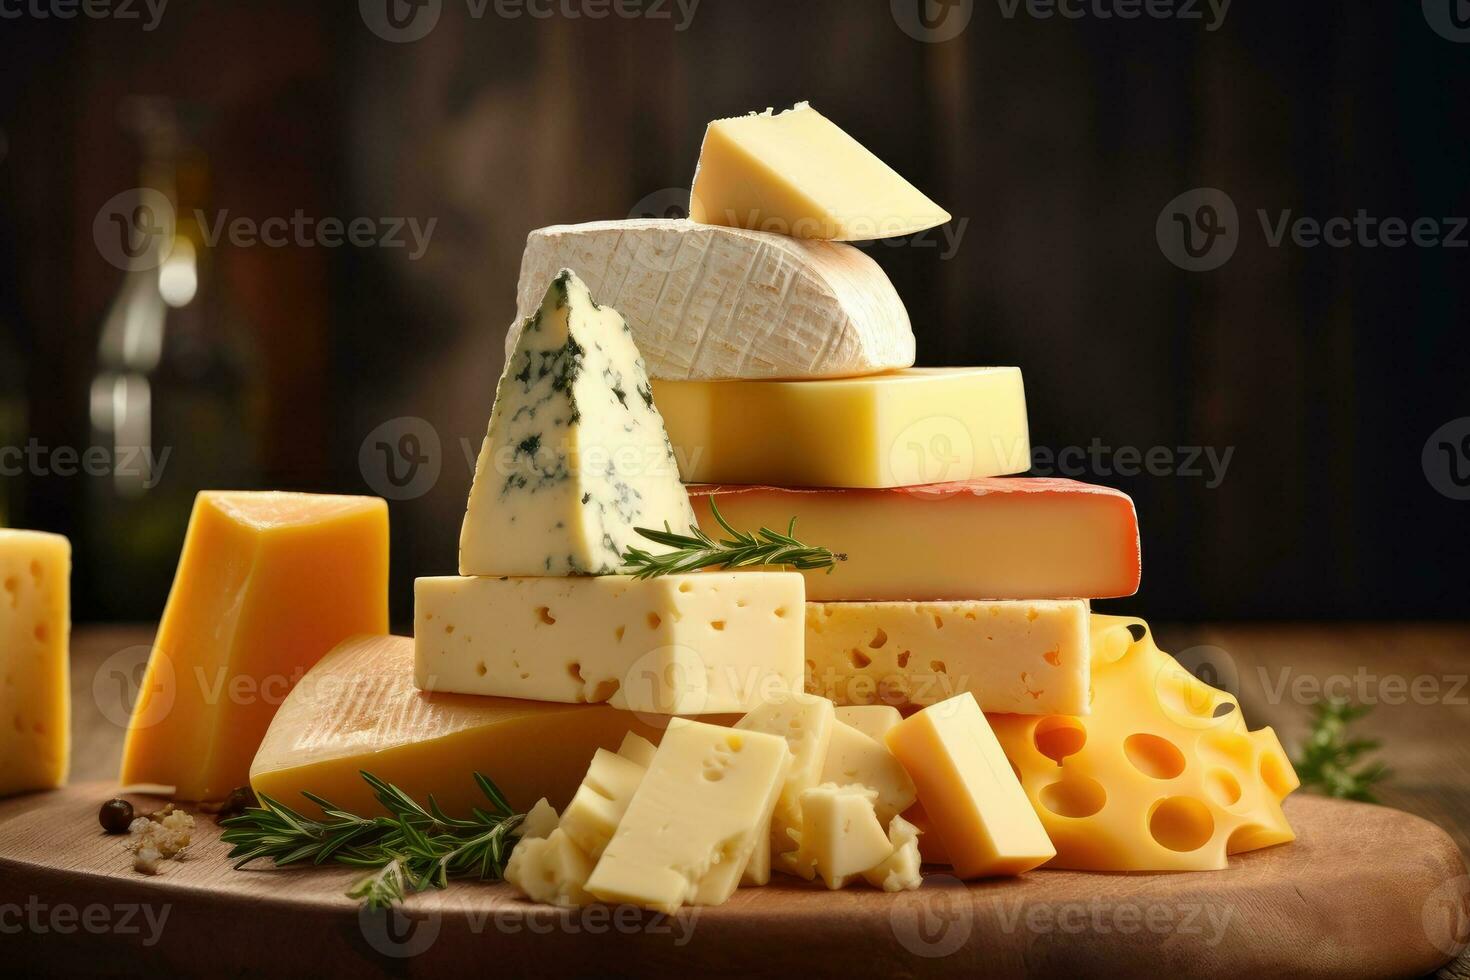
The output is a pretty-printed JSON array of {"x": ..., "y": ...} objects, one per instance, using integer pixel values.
[
  {"x": 35, "y": 629},
  {"x": 806, "y": 723},
  {"x": 268, "y": 583},
  {"x": 840, "y": 834},
  {"x": 703, "y": 643},
  {"x": 692, "y": 825},
  {"x": 550, "y": 869},
  {"x": 637, "y": 749},
  {"x": 873, "y": 720},
  {"x": 856, "y": 758},
  {"x": 359, "y": 709},
  {"x": 796, "y": 173},
  {"x": 713, "y": 303},
  {"x": 600, "y": 802},
  {"x": 576, "y": 456},
  {"x": 977, "y": 805},
  {"x": 1003, "y": 538},
  {"x": 920, "y": 425},
  {"x": 1028, "y": 657},
  {"x": 540, "y": 820},
  {"x": 900, "y": 871}
]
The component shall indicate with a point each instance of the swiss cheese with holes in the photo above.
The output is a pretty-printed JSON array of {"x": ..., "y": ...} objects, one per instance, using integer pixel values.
[{"x": 35, "y": 696}]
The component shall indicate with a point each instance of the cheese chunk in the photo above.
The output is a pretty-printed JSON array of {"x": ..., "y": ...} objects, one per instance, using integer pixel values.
[
  {"x": 1017, "y": 538},
  {"x": 637, "y": 749},
  {"x": 358, "y": 709},
  {"x": 35, "y": 631},
  {"x": 806, "y": 723},
  {"x": 550, "y": 869},
  {"x": 714, "y": 303},
  {"x": 1162, "y": 776},
  {"x": 692, "y": 825},
  {"x": 600, "y": 802},
  {"x": 873, "y": 720},
  {"x": 703, "y": 643},
  {"x": 856, "y": 758},
  {"x": 900, "y": 871},
  {"x": 268, "y": 583},
  {"x": 920, "y": 425},
  {"x": 1028, "y": 657},
  {"x": 840, "y": 833},
  {"x": 576, "y": 456},
  {"x": 540, "y": 820},
  {"x": 977, "y": 806},
  {"x": 796, "y": 173}
]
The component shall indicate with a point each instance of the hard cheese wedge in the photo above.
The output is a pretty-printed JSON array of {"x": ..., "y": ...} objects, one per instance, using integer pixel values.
[
  {"x": 358, "y": 709},
  {"x": 35, "y": 628},
  {"x": 702, "y": 643},
  {"x": 712, "y": 303},
  {"x": 1023, "y": 657},
  {"x": 917, "y": 426},
  {"x": 1162, "y": 776},
  {"x": 695, "y": 819},
  {"x": 975, "y": 539},
  {"x": 796, "y": 173},
  {"x": 267, "y": 584},
  {"x": 973, "y": 799},
  {"x": 576, "y": 456}
]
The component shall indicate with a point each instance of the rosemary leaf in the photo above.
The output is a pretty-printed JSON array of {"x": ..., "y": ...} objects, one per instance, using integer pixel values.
[{"x": 697, "y": 550}]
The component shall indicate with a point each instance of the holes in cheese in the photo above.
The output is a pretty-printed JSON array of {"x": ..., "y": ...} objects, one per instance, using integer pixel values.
[
  {"x": 1163, "y": 780},
  {"x": 35, "y": 696}
]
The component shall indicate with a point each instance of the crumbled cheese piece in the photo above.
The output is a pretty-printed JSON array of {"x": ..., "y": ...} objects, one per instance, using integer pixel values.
[{"x": 159, "y": 837}]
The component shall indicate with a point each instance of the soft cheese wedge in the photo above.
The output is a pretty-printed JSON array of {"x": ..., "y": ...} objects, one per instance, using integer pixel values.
[
  {"x": 35, "y": 628},
  {"x": 916, "y": 426},
  {"x": 703, "y": 643},
  {"x": 576, "y": 455},
  {"x": 796, "y": 173},
  {"x": 695, "y": 819},
  {"x": 1031, "y": 658},
  {"x": 714, "y": 303},
  {"x": 268, "y": 583},
  {"x": 358, "y": 709},
  {"x": 1005, "y": 538}
]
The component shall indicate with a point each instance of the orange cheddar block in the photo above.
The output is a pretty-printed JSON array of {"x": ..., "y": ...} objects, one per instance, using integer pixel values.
[
  {"x": 997, "y": 538},
  {"x": 35, "y": 692},
  {"x": 266, "y": 585},
  {"x": 1163, "y": 775},
  {"x": 971, "y": 795}
]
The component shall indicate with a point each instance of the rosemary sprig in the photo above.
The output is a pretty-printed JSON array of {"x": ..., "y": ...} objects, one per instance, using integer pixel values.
[
  {"x": 412, "y": 849},
  {"x": 1329, "y": 755},
  {"x": 697, "y": 550}
]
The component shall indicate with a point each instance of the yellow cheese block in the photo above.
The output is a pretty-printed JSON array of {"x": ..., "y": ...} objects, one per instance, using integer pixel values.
[
  {"x": 267, "y": 584},
  {"x": 796, "y": 173},
  {"x": 970, "y": 794},
  {"x": 358, "y": 709},
  {"x": 35, "y": 627},
  {"x": 904, "y": 428},
  {"x": 1026, "y": 657},
  {"x": 1162, "y": 776}
]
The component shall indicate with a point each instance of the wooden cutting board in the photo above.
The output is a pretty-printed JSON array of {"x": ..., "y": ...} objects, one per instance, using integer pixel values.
[{"x": 1364, "y": 891}]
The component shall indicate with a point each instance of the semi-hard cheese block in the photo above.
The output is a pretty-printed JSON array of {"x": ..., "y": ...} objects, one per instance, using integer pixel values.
[
  {"x": 841, "y": 836},
  {"x": 806, "y": 723},
  {"x": 796, "y": 173},
  {"x": 856, "y": 758},
  {"x": 267, "y": 584},
  {"x": 703, "y": 643},
  {"x": 909, "y": 427},
  {"x": 600, "y": 802},
  {"x": 35, "y": 628},
  {"x": 1006, "y": 538},
  {"x": 695, "y": 819},
  {"x": 873, "y": 720},
  {"x": 576, "y": 456},
  {"x": 550, "y": 869},
  {"x": 1162, "y": 776},
  {"x": 1026, "y": 657},
  {"x": 359, "y": 709},
  {"x": 713, "y": 303},
  {"x": 972, "y": 797}
]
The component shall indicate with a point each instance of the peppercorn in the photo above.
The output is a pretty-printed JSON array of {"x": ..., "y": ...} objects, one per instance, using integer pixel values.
[{"x": 115, "y": 816}]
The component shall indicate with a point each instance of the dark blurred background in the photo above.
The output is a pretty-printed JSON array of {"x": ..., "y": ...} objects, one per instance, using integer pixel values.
[{"x": 1292, "y": 422}]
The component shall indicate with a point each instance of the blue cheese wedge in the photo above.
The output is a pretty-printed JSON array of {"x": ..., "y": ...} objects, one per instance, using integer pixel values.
[{"x": 576, "y": 456}]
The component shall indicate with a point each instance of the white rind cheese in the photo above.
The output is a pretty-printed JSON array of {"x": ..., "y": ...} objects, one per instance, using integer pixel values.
[
  {"x": 712, "y": 303},
  {"x": 576, "y": 456}
]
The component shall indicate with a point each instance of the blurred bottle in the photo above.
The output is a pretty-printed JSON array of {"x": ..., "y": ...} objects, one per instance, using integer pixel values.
[{"x": 171, "y": 398}]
